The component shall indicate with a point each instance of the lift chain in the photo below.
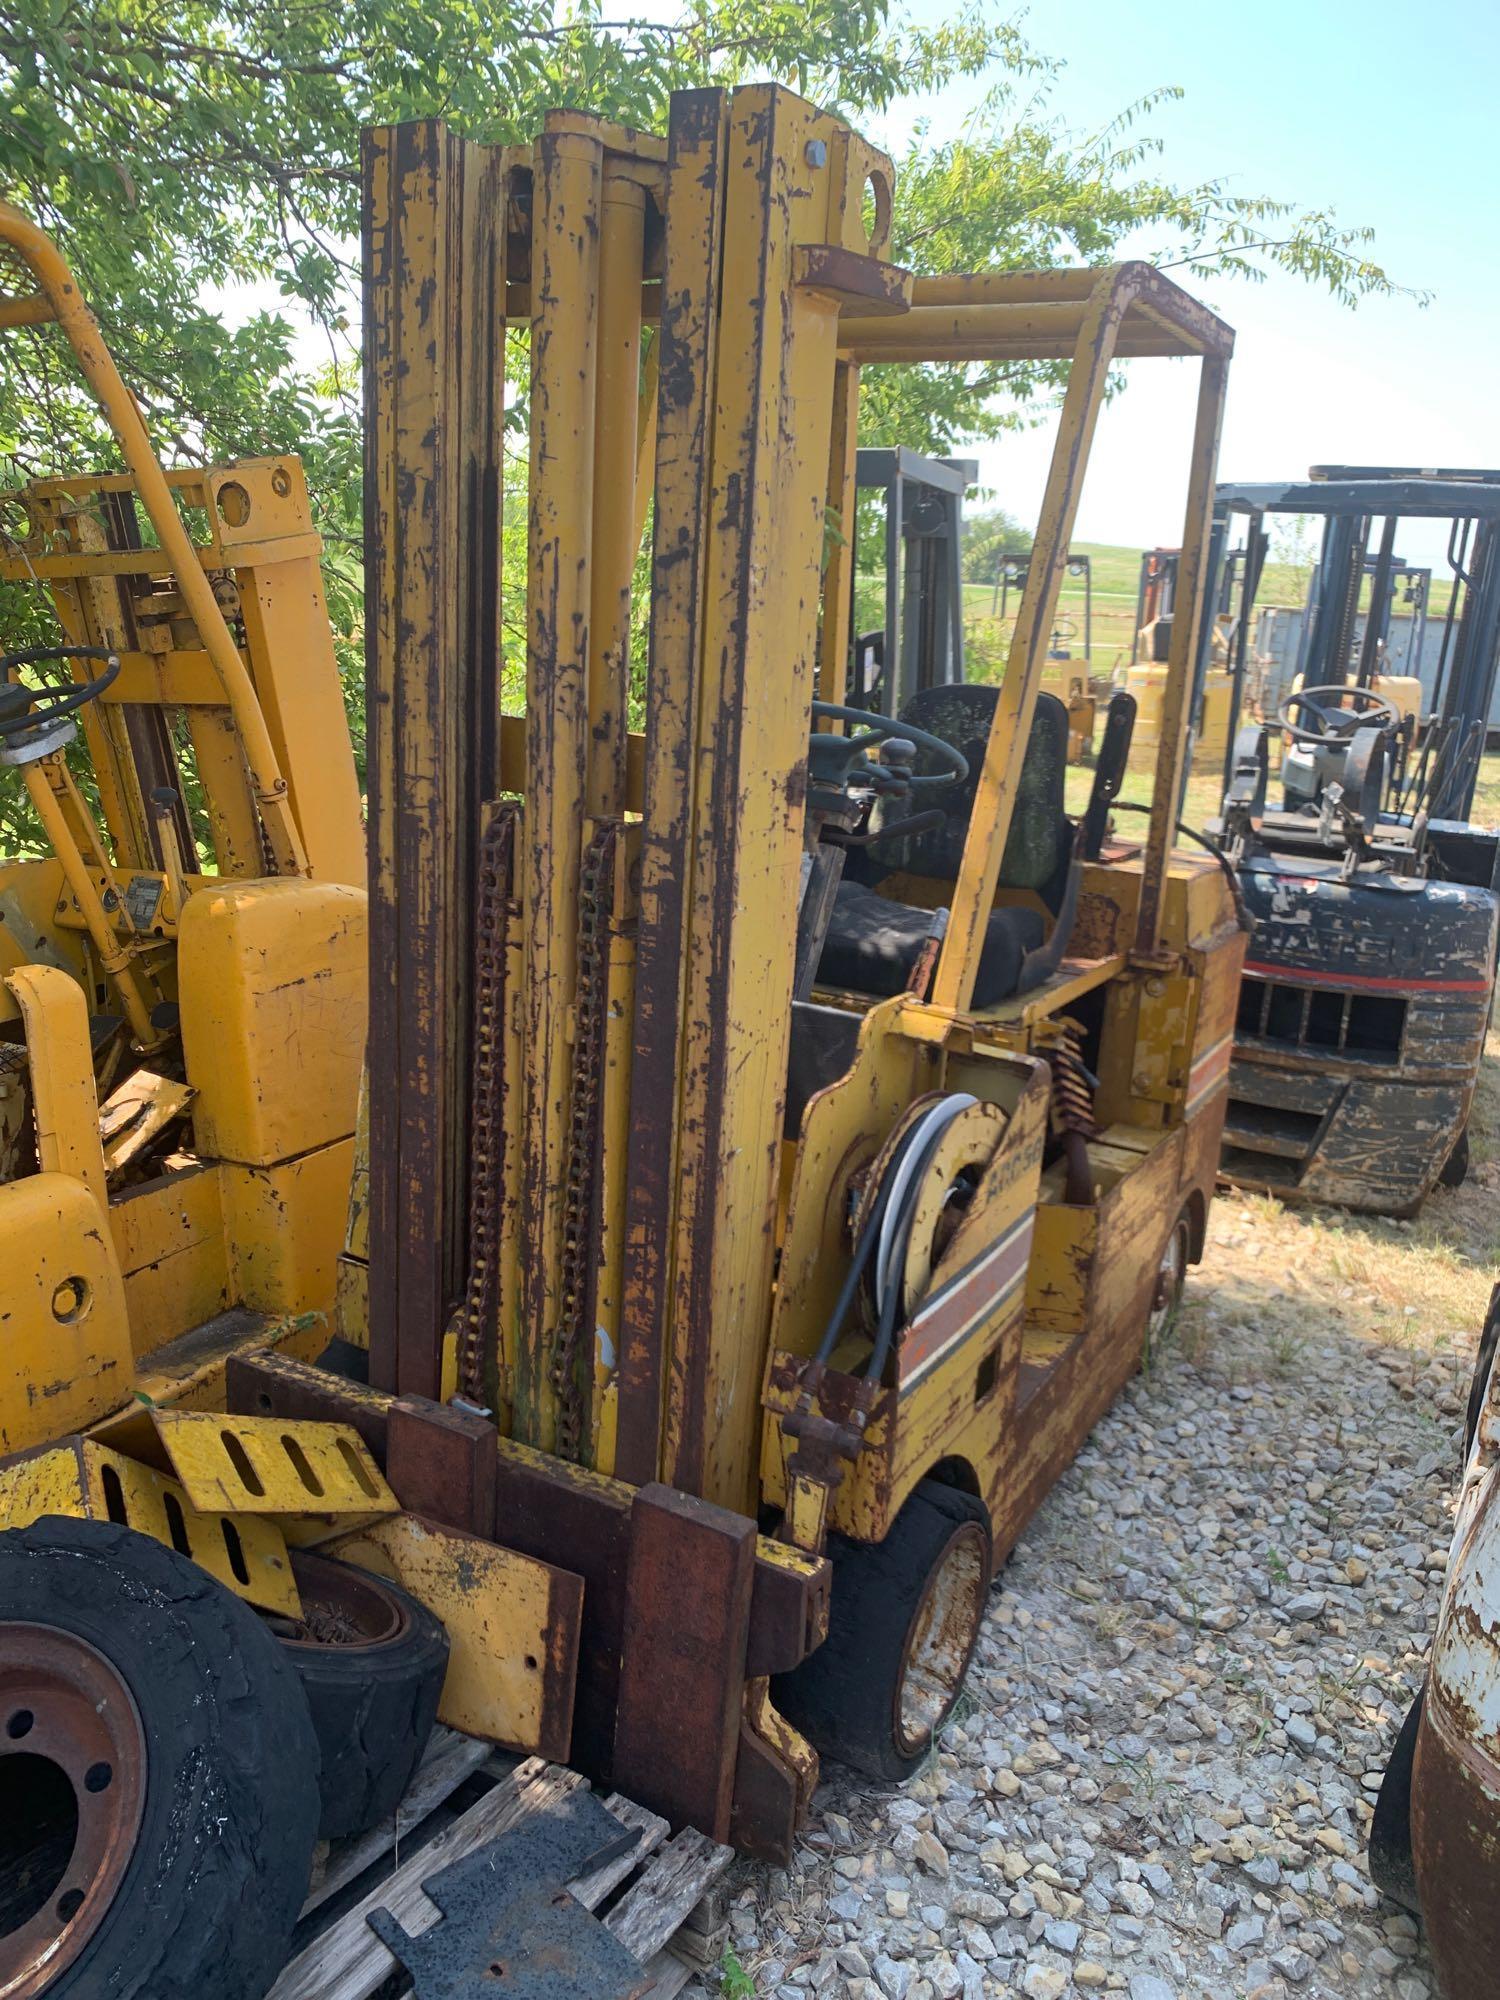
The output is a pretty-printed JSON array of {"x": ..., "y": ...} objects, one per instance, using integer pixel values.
[
  {"x": 581, "y": 1194},
  {"x": 474, "y": 1322}
]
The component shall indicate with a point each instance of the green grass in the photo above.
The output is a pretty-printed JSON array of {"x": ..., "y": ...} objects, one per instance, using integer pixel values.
[
  {"x": 1116, "y": 573},
  {"x": 1116, "y": 577},
  {"x": 1205, "y": 789}
]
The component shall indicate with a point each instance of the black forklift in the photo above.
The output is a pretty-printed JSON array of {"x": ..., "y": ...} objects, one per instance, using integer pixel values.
[{"x": 1375, "y": 898}]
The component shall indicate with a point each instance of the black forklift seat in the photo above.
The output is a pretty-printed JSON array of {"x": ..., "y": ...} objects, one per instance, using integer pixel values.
[{"x": 873, "y": 941}]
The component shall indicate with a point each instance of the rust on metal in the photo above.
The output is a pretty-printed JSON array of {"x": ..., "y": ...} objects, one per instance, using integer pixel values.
[
  {"x": 434, "y": 285},
  {"x": 566, "y": 198},
  {"x": 75, "y": 1776},
  {"x": 1455, "y": 1824},
  {"x": 697, "y": 136},
  {"x": 1455, "y": 1773},
  {"x": 440, "y": 1462},
  {"x": 774, "y": 1776},
  {"x": 484, "y": 1362},
  {"x": 688, "y": 1593},
  {"x": 566, "y": 1515},
  {"x": 265, "y": 1384}
]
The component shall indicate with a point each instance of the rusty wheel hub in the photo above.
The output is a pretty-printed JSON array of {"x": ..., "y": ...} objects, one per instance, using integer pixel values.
[
  {"x": 72, "y": 1791},
  {"x": 942, "y": 1638},
  {"x": 341, "y": 1606},
  {"x": 1170, "y": 1275}
]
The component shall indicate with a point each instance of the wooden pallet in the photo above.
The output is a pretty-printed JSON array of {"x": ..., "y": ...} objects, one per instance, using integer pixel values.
[{"x": 660, "y": 1895}]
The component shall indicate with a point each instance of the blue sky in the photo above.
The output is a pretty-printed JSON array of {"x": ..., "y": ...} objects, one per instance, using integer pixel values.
[
  {"x": 1379, "y": 111},
  {"x": 1382, "y": 112}
]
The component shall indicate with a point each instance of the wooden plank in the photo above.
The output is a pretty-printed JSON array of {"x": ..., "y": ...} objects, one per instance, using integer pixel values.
[
  {"x": 668, "y": 1977},
  {"x": 450, "y": 1758},
  {"x": 702, "y": 1935},
  {"x": 348, "y": 1961},
  {"x": 650, "y": 1913}
]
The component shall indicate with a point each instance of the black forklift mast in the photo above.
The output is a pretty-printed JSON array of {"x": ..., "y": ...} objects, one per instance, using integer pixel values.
[
  {"x": 920, "y": 643},
  {"x": 1362, "y": 509}
]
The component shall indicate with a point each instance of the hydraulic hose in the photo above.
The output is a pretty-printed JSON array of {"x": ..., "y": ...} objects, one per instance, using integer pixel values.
[{"x": 887, "y": 1232}]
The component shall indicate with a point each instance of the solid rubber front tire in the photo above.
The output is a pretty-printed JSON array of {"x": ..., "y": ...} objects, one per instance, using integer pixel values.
[
  {"x": 219, "y": 1865},
  {"x": 849, "y": 1698},
  {"x": 373, "y": 1697}
]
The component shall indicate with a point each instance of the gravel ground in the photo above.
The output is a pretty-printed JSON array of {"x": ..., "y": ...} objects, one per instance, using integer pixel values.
[{"x": 1192, "y": 1669}]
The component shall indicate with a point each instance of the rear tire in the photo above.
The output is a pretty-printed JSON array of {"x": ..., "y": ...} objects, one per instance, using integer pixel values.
[
  {"x": 1456, "y": 1167},
  {"x": 371, "y": 1661},
  {"x": 1171, "y": 1280},
  {"x": 904, "y": 1620},
  {"x": 159, "y": 1772}
]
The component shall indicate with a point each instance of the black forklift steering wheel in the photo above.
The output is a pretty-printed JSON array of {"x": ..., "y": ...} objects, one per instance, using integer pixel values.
[
  {"x": 834, "y": 760},
  {"x": 23, "y": 709},
  {"x": 1337, "y": 721}
]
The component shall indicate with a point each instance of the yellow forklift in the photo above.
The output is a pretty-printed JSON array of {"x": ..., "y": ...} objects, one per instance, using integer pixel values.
[
  {"x": 182, "y": 966},
  {"x": 784, "y": 1125},
  {"x": 182, "y": 1003}
]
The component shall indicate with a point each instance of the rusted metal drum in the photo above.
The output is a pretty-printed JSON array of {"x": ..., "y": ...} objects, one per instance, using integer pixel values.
[{"x": 1455, "y": 1796}]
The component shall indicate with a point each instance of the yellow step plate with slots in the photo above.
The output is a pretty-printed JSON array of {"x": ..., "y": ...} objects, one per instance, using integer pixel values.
[
  {"x": 260, "y": 1465},
  {"x": 89, "y": 1482}
]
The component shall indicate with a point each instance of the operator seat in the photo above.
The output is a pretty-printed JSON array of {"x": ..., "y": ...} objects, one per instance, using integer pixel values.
[{"x": 873, "y": 940}]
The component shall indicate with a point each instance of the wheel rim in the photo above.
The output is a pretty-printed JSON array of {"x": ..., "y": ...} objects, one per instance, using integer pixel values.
[
  {"x": 941, "y": 1638},
  {"x": 72, "y": 1793},
  {"x": 1171, "y": 1274},
  {"x": 341, "y": 1606}
]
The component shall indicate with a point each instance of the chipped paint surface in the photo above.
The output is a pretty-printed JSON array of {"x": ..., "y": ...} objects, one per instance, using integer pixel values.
[
  {"x": 1456, "y": 1766},
  {"x": 1361, "y": 1025},
  {"x": 715, "y": 1222}
]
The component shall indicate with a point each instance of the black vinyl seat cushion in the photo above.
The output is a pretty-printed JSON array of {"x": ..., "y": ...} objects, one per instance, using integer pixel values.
[{"x": 873, "y": 942}]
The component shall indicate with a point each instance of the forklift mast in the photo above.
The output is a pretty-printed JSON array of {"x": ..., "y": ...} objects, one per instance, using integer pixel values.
[
  {"x": 669, "y": 1024},
  {"x": 1343, "y": 643},
  {"x": 922, "y": 501}
]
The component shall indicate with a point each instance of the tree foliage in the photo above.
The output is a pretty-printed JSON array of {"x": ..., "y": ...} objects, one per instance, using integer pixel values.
[
  {"x": 183, "y": 150},
  {"x": 990, "y": 535}
]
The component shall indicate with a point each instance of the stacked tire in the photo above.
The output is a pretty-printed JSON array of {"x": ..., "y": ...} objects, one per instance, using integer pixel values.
[{"x": 169, "y": 1759}]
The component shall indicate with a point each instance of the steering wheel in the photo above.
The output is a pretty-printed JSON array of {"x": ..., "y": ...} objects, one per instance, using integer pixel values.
[
  {"x": 834, "y": 760},
  {"x": 1337, "y": 721},
  {"x": 24, "y": 709}
]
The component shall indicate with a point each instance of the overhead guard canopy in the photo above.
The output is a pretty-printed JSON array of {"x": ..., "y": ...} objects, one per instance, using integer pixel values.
[{"x": 1035, "y": 316}]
